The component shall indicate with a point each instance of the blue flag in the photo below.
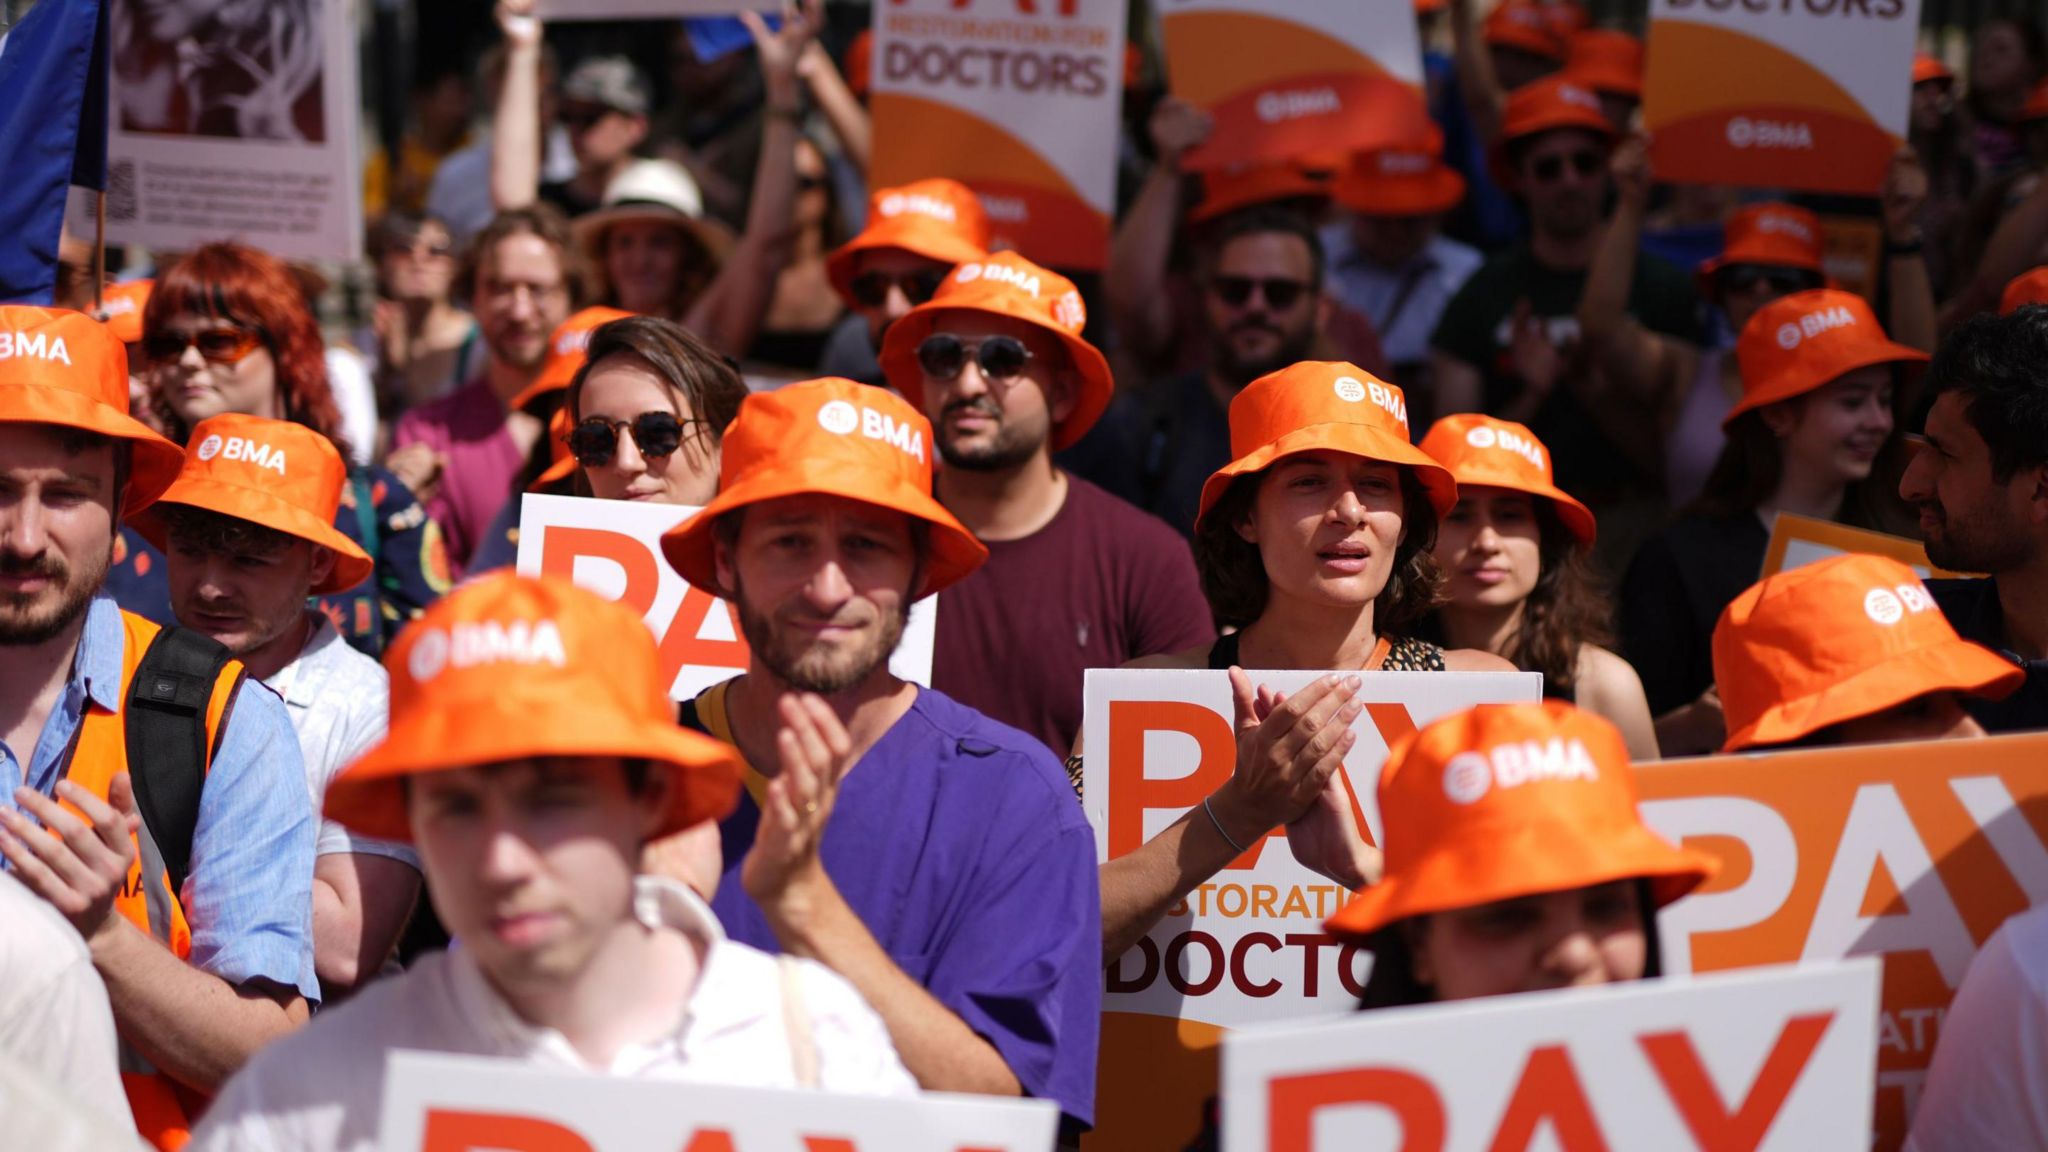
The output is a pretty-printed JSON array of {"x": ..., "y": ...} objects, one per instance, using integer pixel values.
[{"x": 53, "y": 134}]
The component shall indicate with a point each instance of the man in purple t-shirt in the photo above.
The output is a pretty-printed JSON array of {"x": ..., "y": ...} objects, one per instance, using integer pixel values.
[
  {"x": 462, "y": 453},
  {"x": 955, "y": 884},
  {"x": 1076, "y": 579}
]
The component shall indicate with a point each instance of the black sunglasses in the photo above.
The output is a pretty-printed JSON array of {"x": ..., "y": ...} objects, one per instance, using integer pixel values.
[
  {"x": 1236, "y": 291},
  {"x": 595, "y": 440},
  {"x": 942, "y": 355},
  {"x": 1742, "y": 279},
  {"x": 1551, "y": 168},
  {"x": 871, "y": 289}
]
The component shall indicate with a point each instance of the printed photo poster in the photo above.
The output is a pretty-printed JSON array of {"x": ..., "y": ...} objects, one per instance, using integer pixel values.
[
  {"x": 1021, "y": 100},
  {"x": 1777, "y": 1060},
  {"x": 613, "y": 548},
  {"x": 1797, "y": 541},
  {"x": 1811, "y": 96},
  {"x": 1248, "y": 946},
  {"x": 1913, "y": 852},
  {"x": 235, "y": 121},
  {"x": 1286, "y": 78},
  {"x": 437, "y": 1103}
]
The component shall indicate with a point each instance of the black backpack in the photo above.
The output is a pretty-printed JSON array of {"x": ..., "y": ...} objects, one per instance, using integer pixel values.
[{"x": 166, "y": 740}]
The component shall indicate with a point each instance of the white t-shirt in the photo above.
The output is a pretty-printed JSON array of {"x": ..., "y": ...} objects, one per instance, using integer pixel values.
[
  {"x": 1988, "y": 1086},
  {"x": 321, "y": 1088},
  {"x": 355, "y": 395},
  {"x": 340, "y": 703},
  {"x": 54, "y": 1016}
]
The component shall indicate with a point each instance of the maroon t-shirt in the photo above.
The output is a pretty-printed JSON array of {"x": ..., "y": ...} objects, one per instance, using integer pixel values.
[{"x": 1100, "y": 585}]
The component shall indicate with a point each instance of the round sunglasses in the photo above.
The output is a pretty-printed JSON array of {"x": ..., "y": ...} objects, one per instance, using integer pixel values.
[
  {"x": 942, "y": 355},
  {"x": 594, "y": 441},
  {"x": 871, "y": 289}
]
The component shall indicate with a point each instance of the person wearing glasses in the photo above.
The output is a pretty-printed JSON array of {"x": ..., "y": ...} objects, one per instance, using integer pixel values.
[
  {"x": 646, "y": 412},
  {"x": 1509, "y": 343},
  {"x": 226, "y": 330},
  {"x": 915, "y": 234},
  {"x": 424, "y": 345},
  {"x": 995, "y": 359}
]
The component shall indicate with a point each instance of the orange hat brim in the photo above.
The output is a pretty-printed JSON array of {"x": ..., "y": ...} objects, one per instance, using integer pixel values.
[
  {"x": 1524, "y": 860},
  {"x": 1577, "y": 518},
  {"x": 352, "y": 565},
  {"x": 1951, "y": 665},
  {"x": 369, "y": 797},
  {"x": 912, "y": 233},
  {"x": 899, "y": 365},
  {"x": 1357, "y": 439},
  {"x": 1803, "y": 378},
  {"x": 955, "y": 553},
  {"x": 1438, "y": 190},
  {"x": 154, "y": 462}
]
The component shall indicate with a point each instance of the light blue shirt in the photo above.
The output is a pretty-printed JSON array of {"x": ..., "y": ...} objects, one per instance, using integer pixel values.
[
  {"x": 249, "y": 899},
  {"x": 1428, "y": 282}
]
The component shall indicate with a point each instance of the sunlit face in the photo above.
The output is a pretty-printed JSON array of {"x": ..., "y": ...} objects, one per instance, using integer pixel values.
[
  {"x": 1971, "y": 521},
  {"x": 530, "y": 863},
  {"x": 522, "y": 295},
  {"x": 986, "y": 424},
  {"x": 823, "y": 586},
  {"x": 251, "y": 601},
  {"x": 1571, "y": 939},
  {"x": 619, "y": 388},
  {"x": 1327, "y": 524},
  {"x": 1490, "y": 547},
  {"x": 1838, "y": 429},
  {"x": 1935, "y": 716},
  {"x": 643, "y": 260},
  {"x": 197, "y": 388},
  {"x": 58, "y": 512}
]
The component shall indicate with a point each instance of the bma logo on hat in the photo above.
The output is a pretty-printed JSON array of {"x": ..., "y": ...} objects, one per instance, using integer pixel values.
[
  {"x": 1404, "y": 163},
  {"x": 210, "y": 447},
  {"x": 843, "y": 418},
  {"x": 1467, "y": 777},
  {"x": 896, "y": 204},
  {"x": 1470, "y": 775},
  {"x": 1014, "y": 277},
  {"x": 1583, "y": 97},
  {"x": 1069, "y": 313},
  {"x": 486, "y": 642},
  {"x": 243, "y": 449},
  {"x": 1888, "y": 606},
  {"x": 838, "y": 417},
  {"x": 1350, "y": 389},
  {"x": 1785, "y": 225},
  {"x": 34, "y": 346},
  {"x": 1485, "y": 437},
  {"x": 1791, "y": 334}
]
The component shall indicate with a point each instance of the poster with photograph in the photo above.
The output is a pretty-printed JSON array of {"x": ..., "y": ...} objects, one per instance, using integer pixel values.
[{"x": 235, "y": 119}]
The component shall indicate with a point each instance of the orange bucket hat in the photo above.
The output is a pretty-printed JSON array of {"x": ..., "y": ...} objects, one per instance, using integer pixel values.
[
  {"x": 121, "y": 308},
  {"x": 836, "y": 438},
  {"x": 1323, "y": 404},
  {"x": 65, "y": 369},
  {"x": 2029, "y": 287},
  {"x": 513, "y": 667},
  {"x": 1549, "y": 104},
  {"x": 1609, "y": 60},
  {"x": 1483, "y": 451},
  {"x": 273, "y": 473},
  {"x": 1772, "y": 234},
  {"x": 937, "y": 219},
  {"x": 1411, "y": 180},
  {"x": 1525, "y": 27},
  {"x": 1929, "y": 68},
  {"x": 1509, "y": 800},
  {"x": 1800, "y": 342},
  {"x": 860, "y": 63},
  {"x": 1844, "y": 637},
  {"x": 565, "y": 353},
  {"x": 1007, "y": 284},
  {"x": 1227, "y": 190}
]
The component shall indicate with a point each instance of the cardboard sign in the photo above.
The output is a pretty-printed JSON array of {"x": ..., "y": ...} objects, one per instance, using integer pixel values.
[
  {"x": 456, "y": 1104},
  {"x": 1810, "y": 96},
  {"x": 1248, "y": 946},
  {"x": 1917, "y": 852},
  {"x": 1285, "y": 78},
  {"x": 613, "y": 548},
  {"x": 560, "y": 10},
  {"x": 1797, "y": 541},
  {"x": 1762, "y": 1060},
  {"x": 1021, "y": 100},
  {"x": 238, "y": 123}
]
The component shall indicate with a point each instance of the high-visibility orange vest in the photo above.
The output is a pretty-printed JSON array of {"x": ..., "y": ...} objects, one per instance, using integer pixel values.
[{"x": 164, "y": 1109}]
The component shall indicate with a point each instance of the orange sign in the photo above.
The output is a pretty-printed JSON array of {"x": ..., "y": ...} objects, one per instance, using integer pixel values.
[
  {"x": 1915, "y": 852},
  {"x": 1810, "y": 96},
  {"x": 1797, "y": 541}
]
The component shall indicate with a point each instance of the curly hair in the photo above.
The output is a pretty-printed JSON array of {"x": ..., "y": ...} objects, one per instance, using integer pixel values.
[
  {"x": 1234, "y": 575},
  {"x": 1569, "y": 607},
  {"x": 251, "y": 289}
]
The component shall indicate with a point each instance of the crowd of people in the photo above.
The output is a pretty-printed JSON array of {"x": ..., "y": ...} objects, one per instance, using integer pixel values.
[{"x": 1491, "y": 399}]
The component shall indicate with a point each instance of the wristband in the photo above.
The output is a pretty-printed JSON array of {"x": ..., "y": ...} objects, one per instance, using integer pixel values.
[{"x": 1219, "y": 827}]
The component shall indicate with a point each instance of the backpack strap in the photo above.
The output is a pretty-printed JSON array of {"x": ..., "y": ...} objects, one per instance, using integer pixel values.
[{"x": 168, "y": 747}]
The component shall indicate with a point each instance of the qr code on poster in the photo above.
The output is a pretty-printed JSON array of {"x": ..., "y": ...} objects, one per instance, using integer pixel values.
[{"x": 121, "y": 203}]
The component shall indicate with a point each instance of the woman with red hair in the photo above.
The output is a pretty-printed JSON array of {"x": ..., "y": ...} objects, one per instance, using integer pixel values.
[{"x": 227, "y": 329}]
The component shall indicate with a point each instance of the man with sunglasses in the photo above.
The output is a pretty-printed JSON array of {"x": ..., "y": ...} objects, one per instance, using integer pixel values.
[
  {"x": 955, "y": 885},
  {"x": 915, "y": 235},
  {"x": 997, "y": 362}
]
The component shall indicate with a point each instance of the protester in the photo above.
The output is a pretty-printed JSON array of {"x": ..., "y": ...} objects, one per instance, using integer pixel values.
[
  {"x": 54, "y": 1017},
  {"x": 997, "y": 361},
  {"x": 647, "y": 410},
  {"x": 201, "y": 969},
  {"x": 1938, "y": 136},
  {"x": 121, "y": 308},
  {"x": 1983, "y": 1089},
  {"x": 532, "y": 753},
  {"x": 462, "y": 452},
  {"x": 1848, "y": 650},
  {"x": 955, "y": 887},
  {"x": 227, "y": 331},
  {"x": 1807, "y": 437},
  {"x": 1980, "y": 484},
  {"x": 423, "y": 344},
  {"x": 1493, "y": 889},
  {"x": 2008, "y": 57},
  {"x": 915, "y": 234},
  {"x": 1314, "y": 548},
  {"x": 1518, "y": 579},
  {"x": 804, "y": 308},
  {"x": 247, "y": 532}
]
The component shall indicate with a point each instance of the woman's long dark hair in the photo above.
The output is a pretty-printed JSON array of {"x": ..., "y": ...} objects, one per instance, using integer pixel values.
[
  {"x": 1569, "y": 608},
  {"x": 1752, "y": 463}
]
